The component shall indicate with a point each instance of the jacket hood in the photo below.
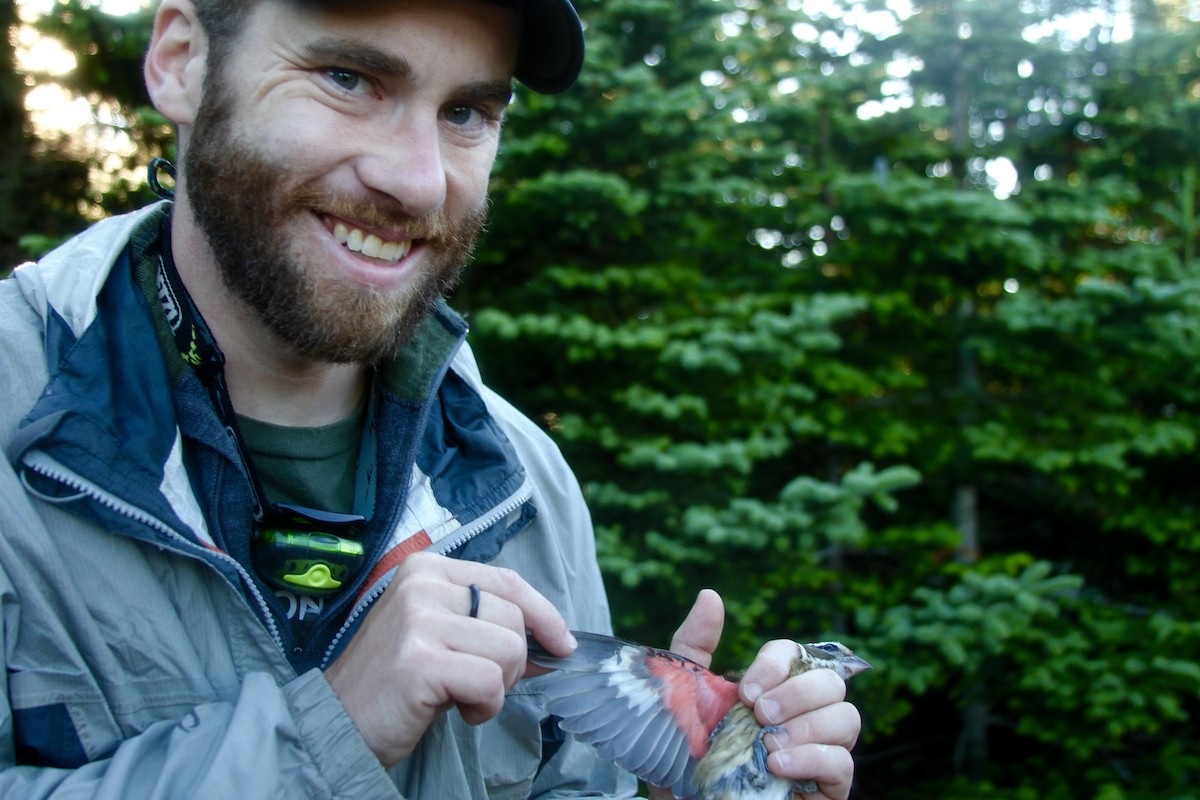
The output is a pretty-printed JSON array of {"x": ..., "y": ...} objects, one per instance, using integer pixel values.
[{"x": 57, "y": 282}]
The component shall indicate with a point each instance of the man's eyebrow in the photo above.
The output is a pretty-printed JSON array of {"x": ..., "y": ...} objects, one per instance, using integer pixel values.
[
  {"x": 491, "y": 92},
  {"x": 348, "y": 53},
  {"x": 351, "y": 54}
]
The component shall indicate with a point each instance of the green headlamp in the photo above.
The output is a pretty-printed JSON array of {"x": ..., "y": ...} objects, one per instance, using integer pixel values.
[{"x": 297, "y": 550}]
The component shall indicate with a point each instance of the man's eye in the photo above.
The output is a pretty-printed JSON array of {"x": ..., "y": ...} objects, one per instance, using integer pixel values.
[
  {"x": 465, "y": 116},
  {"x": 345, "y": 79}
]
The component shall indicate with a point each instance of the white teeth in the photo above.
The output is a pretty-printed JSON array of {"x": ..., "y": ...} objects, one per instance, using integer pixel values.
[{"x": 370, "y": 245}]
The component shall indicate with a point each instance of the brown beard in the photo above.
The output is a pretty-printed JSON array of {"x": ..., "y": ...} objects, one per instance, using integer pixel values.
[{"x": 242, "y": 201}]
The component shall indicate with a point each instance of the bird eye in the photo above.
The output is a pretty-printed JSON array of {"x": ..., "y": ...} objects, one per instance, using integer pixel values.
[{"x": 824, "y": 650}]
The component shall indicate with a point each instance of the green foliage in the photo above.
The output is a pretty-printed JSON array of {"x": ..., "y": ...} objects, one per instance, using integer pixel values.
[
  {"x": 50, "y": 187},
  {"x": 754, "y": 277},
  {"x": 1065, "y": 671},
  {"x": 813, "y": 304}
]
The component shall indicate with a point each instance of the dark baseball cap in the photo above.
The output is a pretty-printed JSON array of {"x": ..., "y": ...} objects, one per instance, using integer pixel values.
[{"x": 551, "y": 51}]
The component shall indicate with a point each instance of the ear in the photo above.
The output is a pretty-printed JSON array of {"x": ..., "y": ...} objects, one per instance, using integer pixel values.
[{"x": 176, "y": 60}]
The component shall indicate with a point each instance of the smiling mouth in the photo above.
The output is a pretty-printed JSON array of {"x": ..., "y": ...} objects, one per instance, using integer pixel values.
[{"x": 371, "y": 245}]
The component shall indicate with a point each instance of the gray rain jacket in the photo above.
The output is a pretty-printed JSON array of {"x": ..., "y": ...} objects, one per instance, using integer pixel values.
[{"x": 143, "y": 661}]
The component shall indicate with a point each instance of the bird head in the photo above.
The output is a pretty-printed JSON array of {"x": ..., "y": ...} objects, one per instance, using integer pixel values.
[{"x": 829, "y": 655}]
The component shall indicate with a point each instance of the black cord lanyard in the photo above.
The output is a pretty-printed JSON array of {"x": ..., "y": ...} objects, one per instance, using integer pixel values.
[{"x": 200, "y": 350}]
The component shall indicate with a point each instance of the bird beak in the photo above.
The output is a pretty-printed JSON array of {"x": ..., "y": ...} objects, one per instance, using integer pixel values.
[{"x": 853, "y": 665}]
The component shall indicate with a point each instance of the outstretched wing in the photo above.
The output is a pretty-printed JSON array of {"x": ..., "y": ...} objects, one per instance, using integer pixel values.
[{"x": 651, "y": 711}]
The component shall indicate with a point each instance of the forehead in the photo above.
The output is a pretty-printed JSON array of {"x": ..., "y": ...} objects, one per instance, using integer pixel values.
[{"x": 481, "y": 31}]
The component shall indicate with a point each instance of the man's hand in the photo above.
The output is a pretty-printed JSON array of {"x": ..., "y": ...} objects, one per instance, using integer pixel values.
[
  {"x": 418, "y": 653},
  {"x": 817, "y": 728}
]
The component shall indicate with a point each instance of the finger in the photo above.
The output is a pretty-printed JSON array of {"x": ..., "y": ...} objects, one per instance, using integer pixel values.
[
  {"x": 770, "y": 668},
  {"x": 492, "y": 609},
  {"x": 539, "y": 615},
  {"x": 498, "y": 630},
  {"x": 799, "y": 695},
  {"x": 837, "y": 724},
  {"x": 435, "y": 604},
  {"x": 830, "y": 766},
  {"x": 697, "y": 638},
  {"x": 474, "y": 684},
  {"x": 485, "y": 639},
  {"x": 540, "y": 618}
]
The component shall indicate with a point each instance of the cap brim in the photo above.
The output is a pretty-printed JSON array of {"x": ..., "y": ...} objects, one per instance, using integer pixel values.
[{"x": 551, "y": 54}]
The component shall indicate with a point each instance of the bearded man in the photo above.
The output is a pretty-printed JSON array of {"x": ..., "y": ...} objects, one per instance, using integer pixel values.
[{"x": 264, "y": 532}]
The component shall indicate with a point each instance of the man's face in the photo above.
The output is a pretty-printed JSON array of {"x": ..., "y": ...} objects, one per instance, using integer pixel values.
[{"x": 339, "y": 161}]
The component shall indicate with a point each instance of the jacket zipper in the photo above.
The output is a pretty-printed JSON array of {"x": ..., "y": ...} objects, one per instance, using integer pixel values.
[
  {"x": 465, "y": 534},
  {"x": 468, "y": 532},
  {"x": 50, "y": 469}
]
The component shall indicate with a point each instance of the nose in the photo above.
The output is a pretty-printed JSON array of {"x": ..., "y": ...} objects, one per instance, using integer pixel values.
[{"x": 405, "y": 162}]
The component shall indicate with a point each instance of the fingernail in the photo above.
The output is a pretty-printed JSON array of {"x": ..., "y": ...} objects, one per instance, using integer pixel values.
[
  {"x": 572, "y": 642},
  {"x": 782, "y": 760},
  {"x": 777, "y": 739},
  {"x": 770, "y": 711},
  {"x": 752, "y": 691}
]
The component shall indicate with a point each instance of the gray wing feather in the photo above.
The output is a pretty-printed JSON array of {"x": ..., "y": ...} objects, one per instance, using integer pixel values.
[{"x": 596, "y": 707}]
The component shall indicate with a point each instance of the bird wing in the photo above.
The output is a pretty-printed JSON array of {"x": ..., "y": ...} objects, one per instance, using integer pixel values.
[{"x": 650, "y": 711}]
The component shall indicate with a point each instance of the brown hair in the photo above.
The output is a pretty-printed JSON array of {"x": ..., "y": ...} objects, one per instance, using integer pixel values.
[{"x": 221, "y": 21}]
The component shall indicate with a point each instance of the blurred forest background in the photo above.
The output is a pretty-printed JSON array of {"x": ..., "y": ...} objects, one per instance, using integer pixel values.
[{"x": 882, "y": 317}]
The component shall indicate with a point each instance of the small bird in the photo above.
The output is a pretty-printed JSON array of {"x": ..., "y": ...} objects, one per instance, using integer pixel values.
[{"x": 669, "y": 720}]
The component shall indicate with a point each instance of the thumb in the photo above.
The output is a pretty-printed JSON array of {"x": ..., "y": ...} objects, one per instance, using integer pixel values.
[{"x": 698, "y": 636}]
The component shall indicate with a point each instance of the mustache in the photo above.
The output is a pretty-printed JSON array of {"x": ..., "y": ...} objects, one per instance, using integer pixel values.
[{"x": 378, "y": 211}]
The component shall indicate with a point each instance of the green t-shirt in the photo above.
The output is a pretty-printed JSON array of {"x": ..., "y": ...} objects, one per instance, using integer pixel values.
[{"x": 311, "y": 467}]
